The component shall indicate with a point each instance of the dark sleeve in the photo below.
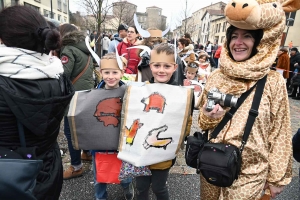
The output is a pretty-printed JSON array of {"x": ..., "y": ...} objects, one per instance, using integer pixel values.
[{"x": 296, "y": 146}]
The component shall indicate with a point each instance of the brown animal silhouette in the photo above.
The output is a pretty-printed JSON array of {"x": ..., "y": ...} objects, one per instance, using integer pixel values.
[
  {"x": 108, "y": 111},
  {"x": 154, "y": 102}
]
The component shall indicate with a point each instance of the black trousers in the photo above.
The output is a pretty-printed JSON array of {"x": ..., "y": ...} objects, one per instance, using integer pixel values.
[{"x": 159, "y": 185}]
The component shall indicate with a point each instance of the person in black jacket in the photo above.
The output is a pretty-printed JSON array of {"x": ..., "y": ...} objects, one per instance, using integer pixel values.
[
  {"x": 296, "y": 146},
  {"x": 33, "y": 92},
  {"x": 293, "y": 81}
]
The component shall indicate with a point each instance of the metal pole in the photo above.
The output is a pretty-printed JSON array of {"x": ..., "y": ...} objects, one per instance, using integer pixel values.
[
  {"x": 51, "y": 9},
  {"x": 287, "y": 31},
  {"x": 288, "y": 26}
]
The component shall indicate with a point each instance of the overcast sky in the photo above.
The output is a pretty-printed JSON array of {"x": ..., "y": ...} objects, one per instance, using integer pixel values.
[{"x": 173, "y": 9}]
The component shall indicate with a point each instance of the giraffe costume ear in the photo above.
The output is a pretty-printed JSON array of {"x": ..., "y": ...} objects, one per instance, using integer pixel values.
[{"x": 291, "y": 5}]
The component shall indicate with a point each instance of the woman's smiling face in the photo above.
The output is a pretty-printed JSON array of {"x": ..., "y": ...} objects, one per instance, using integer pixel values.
[{"x": 241, "y": 44}]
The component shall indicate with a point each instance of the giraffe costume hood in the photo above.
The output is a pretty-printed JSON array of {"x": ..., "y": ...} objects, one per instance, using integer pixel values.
[
  {"x": 267, "y": 156},
  {"x": 252, "y": 15}
]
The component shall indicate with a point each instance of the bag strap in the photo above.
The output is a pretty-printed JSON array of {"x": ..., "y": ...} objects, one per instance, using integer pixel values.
[
  {"x": 253, "y": 113},
  {"x": 228, "y": 115},
  {"x": 21, "y": 134},
  {"x": 79, "y": 75}
]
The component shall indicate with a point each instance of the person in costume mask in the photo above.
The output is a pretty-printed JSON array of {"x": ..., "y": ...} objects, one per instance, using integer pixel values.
[{"x": 246, "y": 57}]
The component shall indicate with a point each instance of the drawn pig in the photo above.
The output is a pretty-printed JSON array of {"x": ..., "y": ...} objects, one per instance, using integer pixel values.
[{"x": 108, "y": 111}]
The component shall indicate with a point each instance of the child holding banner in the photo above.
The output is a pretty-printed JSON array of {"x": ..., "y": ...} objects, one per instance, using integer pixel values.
[
  {"x": 111, "y": 74},
  {"x": 162, "y": 65}
]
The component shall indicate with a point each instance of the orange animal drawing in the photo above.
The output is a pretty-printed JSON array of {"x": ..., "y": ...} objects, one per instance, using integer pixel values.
[
  {"x": 108, "y": 111},
  {"x": 154, "y": 102},
  {"x": 153, "y": 139},
  {"x": 131, "y": 132}
]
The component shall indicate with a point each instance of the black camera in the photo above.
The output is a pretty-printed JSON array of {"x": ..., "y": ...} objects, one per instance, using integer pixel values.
[{"x": 214, "y": 97}]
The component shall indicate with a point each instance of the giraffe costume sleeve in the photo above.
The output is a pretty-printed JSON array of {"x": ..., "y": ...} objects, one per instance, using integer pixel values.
[{"x": 268, "y": 154}]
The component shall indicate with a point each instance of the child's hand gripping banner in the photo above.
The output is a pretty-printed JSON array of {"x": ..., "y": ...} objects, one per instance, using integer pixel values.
[
  {"x": 154, "y": 119},
  {"x": 95, "y": 118}
]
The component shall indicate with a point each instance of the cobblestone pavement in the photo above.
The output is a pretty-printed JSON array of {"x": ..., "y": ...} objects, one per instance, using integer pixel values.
[{"x": 181, "y": 174}]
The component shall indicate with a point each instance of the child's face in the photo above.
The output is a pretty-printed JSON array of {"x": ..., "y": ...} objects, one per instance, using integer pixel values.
[
  {"x": 202, "y": 59},
  {"x": 111, "y": 77},
  {"x": 180, "y": 46},
  {"x": 162, "y": 72},
  {"x": 190, "y": 75}
]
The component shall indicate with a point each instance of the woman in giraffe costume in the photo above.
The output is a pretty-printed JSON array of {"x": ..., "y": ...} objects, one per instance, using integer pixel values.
[{"x": 266, "y": 159}]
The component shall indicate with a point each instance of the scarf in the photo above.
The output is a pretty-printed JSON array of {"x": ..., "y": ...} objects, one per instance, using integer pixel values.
[{"x": 20, "y": 63}]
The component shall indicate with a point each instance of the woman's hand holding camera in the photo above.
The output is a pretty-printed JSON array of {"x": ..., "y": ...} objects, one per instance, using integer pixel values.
[{"x": 216, "y": 113}]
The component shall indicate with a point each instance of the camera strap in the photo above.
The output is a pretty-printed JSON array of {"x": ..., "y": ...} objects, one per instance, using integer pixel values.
[{"x": 253, "y": 113}]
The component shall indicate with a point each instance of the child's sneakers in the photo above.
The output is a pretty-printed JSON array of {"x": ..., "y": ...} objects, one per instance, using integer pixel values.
[{"x": 129, "y": 192}]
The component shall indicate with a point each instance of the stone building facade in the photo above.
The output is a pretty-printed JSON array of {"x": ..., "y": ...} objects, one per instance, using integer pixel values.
[
  {"x": 60, "y": 8},
  {"x": 152, "y": 18}
]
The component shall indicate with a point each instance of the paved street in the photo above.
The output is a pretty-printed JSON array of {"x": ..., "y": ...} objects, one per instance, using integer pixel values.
[{"x": 183, "y": 182}]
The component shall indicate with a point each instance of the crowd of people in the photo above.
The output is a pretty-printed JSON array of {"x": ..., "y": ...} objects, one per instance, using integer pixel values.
[{"x": 42, "y": 69}]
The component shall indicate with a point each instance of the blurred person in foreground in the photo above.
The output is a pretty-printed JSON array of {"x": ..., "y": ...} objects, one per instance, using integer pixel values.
[{"x": 33, "y": 91}]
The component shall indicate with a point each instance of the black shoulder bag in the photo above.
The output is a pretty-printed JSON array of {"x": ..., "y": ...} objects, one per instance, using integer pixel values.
[
  {"x": 219, "y": 163},
  {"x": 18, "y": 170}
]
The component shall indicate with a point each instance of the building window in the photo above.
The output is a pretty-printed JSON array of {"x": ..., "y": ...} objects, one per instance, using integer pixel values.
[
  {"x": 65, "y": 19},
  {"x": 1, "y": 5},
  {"x": 46, "y": 13},
  {"x": 59, "y": 5},
  {"x": 32, "y": 6},
  {"x": 219, "y": 28},
  {"x": 224, "y": 27},
  {"x": 14, "y": 2},
  {"x": 65, "y": 8},
  {"x": 217, "y": 39},
  {"x": 58, "y": 17},
  {"x": 222, "y": 39}
]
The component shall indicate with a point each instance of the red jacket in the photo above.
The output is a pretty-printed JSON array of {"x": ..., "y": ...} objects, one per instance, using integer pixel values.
[
  {"x": 130, "y": 54},
  {"x": 218, "y": 52}
]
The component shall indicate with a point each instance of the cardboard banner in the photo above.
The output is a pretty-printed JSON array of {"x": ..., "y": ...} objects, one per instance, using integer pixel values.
[
  {"x": 198, "y": 88},
  {"x": 154, "y": 119},
  {"x": 95, "y": 117}
]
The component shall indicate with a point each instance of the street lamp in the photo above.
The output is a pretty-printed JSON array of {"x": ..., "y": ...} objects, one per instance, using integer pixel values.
[{"x": 288, "y": 26}]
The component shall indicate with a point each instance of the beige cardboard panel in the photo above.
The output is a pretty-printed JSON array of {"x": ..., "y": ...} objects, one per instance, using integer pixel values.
[{"x": 162, "y": 57}]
